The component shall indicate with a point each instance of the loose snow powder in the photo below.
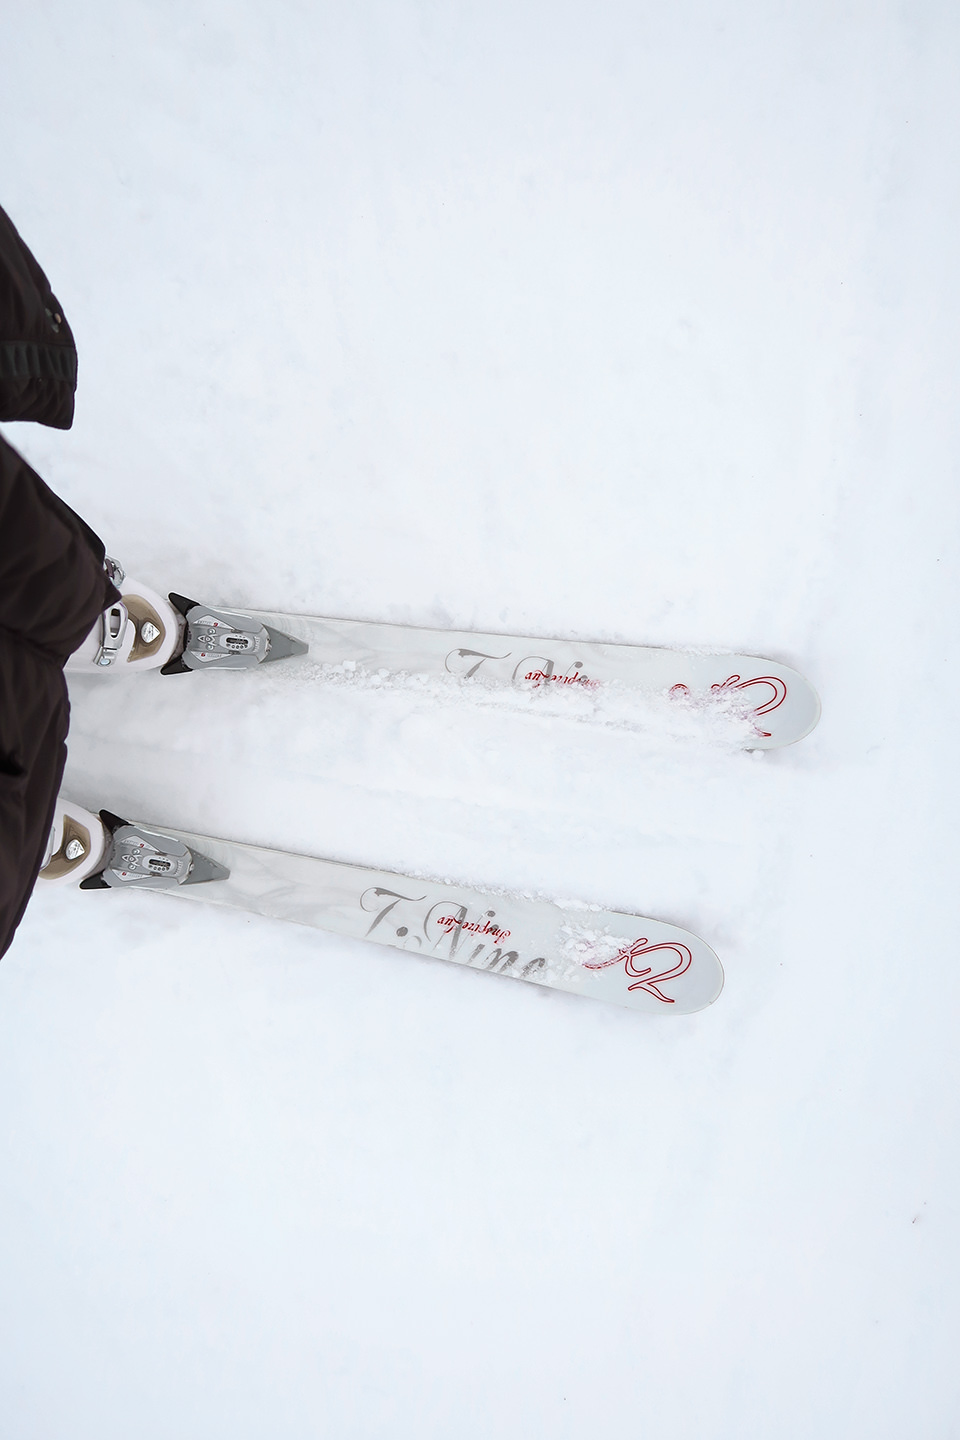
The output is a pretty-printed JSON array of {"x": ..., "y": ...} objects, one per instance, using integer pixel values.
[
  {"x": 721, "y": 720},
  {"x": 593, "y": 948}
]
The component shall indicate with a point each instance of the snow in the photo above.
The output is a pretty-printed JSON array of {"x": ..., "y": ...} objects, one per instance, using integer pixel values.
[{"x": 628, "y": 322}]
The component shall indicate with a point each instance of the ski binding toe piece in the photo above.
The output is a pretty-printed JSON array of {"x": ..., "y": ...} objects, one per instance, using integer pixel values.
[
  {"x": 148, "y": 859},
  {"x": 225, "y": 640}
]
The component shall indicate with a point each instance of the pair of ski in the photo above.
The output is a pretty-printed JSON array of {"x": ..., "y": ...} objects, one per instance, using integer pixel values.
[{"x": 622, "y": 958}]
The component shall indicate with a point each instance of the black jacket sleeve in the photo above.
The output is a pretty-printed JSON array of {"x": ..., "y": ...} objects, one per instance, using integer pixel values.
[{"x": 38, "y": 359}]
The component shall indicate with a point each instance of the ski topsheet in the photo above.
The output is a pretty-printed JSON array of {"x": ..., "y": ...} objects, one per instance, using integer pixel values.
[
  {"x": 781, "y": 704},
  {"x": 624, "y": 959}
]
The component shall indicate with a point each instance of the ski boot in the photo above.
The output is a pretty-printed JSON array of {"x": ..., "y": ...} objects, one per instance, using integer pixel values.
[
  {"x": 101, "y": 852},
  {"x": 144, "y": 631}
]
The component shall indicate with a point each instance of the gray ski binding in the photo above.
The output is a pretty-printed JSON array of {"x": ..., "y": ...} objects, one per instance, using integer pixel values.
[
  {"x": 146, "y": 859},
  {"x": 225, "y": 640}
]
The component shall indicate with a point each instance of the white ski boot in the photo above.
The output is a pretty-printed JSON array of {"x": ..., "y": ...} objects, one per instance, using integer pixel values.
[
  {"x": 143, "y": 631},
  {"x": 78, "y": 840},
  {"x": 105, "y": 852}
]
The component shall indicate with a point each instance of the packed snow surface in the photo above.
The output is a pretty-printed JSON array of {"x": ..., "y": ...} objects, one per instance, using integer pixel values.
[{"x": 629, "y": 322}]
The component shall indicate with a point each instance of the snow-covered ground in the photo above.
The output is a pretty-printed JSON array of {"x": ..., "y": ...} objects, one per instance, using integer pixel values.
[{"x": 625, "y": 321}]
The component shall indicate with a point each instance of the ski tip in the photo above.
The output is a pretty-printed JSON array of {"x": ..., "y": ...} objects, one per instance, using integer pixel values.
[
  {"x": 665, "y": 970},
  {"x": 789, "y": 705}
]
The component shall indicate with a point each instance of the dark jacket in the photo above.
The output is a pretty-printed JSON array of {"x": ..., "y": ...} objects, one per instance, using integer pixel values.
[
  {"x": 38, "y": 359},
  {"x": 52, "y": 582}
]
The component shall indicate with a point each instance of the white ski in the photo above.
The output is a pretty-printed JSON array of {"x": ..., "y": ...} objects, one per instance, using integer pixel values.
[
  {"x": 625, "y": 959},
  {"x": 179, "y": 635},
  {"x": 782, "y": 705}
]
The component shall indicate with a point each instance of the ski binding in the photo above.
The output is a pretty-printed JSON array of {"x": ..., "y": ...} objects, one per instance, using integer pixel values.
[
  {"x": 226, "y": 640},
  {"x": 144, "y": 858}
]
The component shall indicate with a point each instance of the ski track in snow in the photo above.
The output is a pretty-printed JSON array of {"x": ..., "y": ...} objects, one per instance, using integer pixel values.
[{"x": 720, "y": 721}]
